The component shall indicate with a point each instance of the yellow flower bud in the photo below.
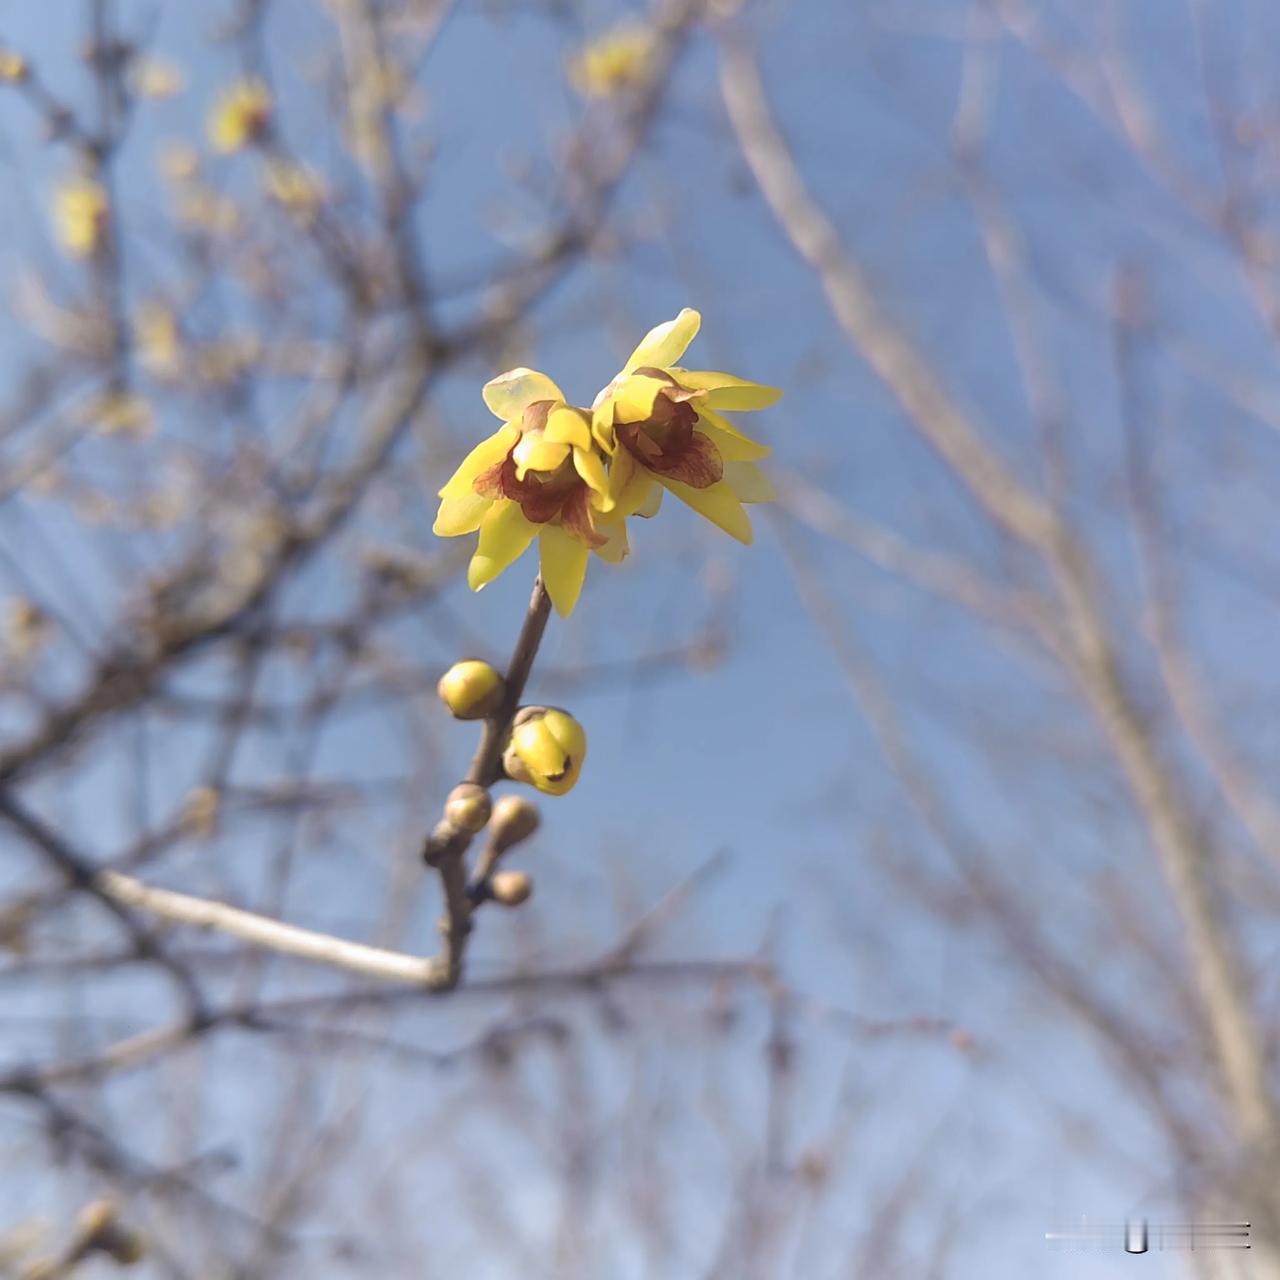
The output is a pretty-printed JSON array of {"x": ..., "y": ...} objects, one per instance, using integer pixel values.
[
  {"x": 511, "y": 888},
  {"x": 514, "y": 819},
  {"x": 546, "y": 750},
  {"x": 468, "y": 807},
  {"x": 471, "y": 689}
]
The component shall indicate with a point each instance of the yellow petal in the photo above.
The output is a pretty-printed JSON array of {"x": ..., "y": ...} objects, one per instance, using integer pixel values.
[
  {"x": 725, "y": 392},
  {"x": 733, "y": 445},
  {"x": 564, "y": 566},
  {"x": 633, "y": 398},
  {"x": 629, "y": 484},
  {"x": 504, "y": 536},
  {"x": 602, "y": 425},
  {"x": 460, "y": 515},
  {"x": 615, "y": 548},
  {"x": 749, "y": 482},
  {"x": 536, "y": 453},
  {"x": 653, "y": 500},
  {"x": 488, "y": 453},
  {"x": 718, "y": 504},
  {"x": 568, "y": 426},
  {"x": 664, "y": 344},
  {"x": 588, "y": 464},
  {"x": 538, "y": 749},
  {"x": 511, "y": 393}
]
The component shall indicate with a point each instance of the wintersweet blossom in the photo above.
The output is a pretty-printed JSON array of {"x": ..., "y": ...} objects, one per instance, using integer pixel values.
[
  {"x": 540, "y": 476},
  {"x": 571, "y": 477},
  {"x": 666, "y": 426}
]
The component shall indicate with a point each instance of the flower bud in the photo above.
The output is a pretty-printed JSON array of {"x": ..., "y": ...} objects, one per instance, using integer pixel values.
[
  {"x": 468, "y": 807},
  {"x": 511, "y": 888},
  {"x": 471, "y": 689},
  {"x": 546, "y": 749},
  {"x": 514, "y": 819}
]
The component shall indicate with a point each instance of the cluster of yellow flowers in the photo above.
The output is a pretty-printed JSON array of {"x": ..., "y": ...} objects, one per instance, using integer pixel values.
[{"x": 571, "y": 476}]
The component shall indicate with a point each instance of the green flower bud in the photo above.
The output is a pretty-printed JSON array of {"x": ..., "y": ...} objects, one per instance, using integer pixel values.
[
  {"x": 546, "y": 749},
  {"x": 468, "y": 807},
  {"x": 514, "y": 819},
  {"x": 511, "y": 888},
  {"x": 471, "y": 689}
]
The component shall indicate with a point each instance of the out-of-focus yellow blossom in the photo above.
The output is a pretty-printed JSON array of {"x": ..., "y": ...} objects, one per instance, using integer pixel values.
[
  {"x": 156, "y": 78},
  {"x": 155, "y": 337},
  {"x": 618, "y": 60},
  {"x": 121, "y": 413},
  {"x": 81, "y": 211},
  {"x": 293, "y": 188},
  {"x": 546, "y": 749},
  {"x": 540, "y": 475},
  {"x": 13, "y": 67},
  {"x": 240, "y": 116},
  {"x": 27, "y": 628},
  {"x": 666, "y": 426}
]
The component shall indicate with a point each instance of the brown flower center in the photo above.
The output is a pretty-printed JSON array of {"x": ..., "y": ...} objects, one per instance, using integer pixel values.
[
  {"x": 666, "y": 441},
  {"x": 544, "y": 496}
]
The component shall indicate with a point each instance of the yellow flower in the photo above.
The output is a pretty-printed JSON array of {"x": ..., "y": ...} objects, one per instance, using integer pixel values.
[
  {"x": 80, "y": 213},
  {"x": 546, "y": 749},
  {"x": 121, "y": 413},
  {"x": 240, "y": 116},
  {"x": 13, "y": 67},
  {"x": 540, "y": 475},
  {"x": 155, "y": 337},
  {"x": 666, "y": 426},
  {"x": 618, "y": 60}
]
